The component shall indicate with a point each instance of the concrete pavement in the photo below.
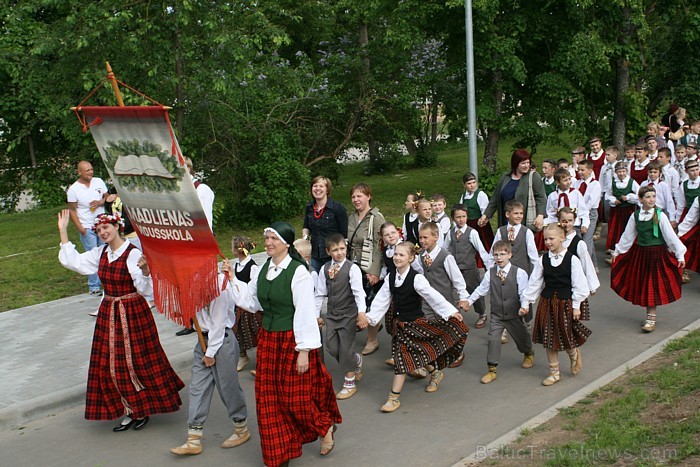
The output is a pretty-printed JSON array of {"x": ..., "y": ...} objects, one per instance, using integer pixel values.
[{"x": 43, "y": 371}]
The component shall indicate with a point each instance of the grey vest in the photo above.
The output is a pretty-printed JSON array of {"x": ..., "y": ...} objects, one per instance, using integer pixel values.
[
  {"x": 341, "y": 301},
  {"x": 438, "y": 278},
  {"x": 462, "y": 249},
  {"x": 519, "y": 245},
  {"x": 505, "y": 301}
]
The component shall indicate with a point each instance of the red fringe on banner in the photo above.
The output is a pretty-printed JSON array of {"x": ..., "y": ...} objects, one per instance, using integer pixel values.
[{"x": 180, "y": 303}]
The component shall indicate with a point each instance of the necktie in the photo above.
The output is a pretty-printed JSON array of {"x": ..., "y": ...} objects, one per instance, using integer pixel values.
[
  {"x": 501, "y": 275},
  {"x": 582, "y": 188},
  {"x": 333, "y": 271},
  {"x": 458, "y": 233},
  {"x": 565, "y": 197},
  {"x": 427, "y": 260},
  {"x": 511, "y": 234}
]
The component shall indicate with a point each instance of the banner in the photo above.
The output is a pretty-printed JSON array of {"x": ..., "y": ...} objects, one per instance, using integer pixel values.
[{"x": 143, "y": 158}]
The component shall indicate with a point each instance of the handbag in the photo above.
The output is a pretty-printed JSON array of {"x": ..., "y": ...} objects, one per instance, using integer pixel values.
[
  {"x": 676, "y": 135},
  {"x": 367, "y": 246},
  {"x": 531, "y": 213}
]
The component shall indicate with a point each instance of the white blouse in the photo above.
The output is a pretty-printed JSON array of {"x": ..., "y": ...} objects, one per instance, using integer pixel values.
[
  {"x": 586, "y": 262},
  {"x": 672, "y": 241},
  {"x": 579, "y": 285}
]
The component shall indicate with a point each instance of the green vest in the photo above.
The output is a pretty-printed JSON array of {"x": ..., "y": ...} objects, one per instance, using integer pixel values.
[
  {"x": 690, "y": 194},
  {"x": 645, "y": 231},
  {"x": 473, "y": 209},
  {"x": 618, "y": 193},
  {"x": 549, "y": 188},
  {"x": 275, "y": 297}
]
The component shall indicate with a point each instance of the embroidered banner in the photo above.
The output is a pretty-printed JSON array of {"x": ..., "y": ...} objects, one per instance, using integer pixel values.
[{"x": 139, "y": 148}]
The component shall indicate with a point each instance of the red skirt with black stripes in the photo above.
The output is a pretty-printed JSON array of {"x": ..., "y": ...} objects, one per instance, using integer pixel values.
[
  {"x": 692, "y": 241},
  {"x": 646, "y": 276},
  {"x": 619, "y": 216}
]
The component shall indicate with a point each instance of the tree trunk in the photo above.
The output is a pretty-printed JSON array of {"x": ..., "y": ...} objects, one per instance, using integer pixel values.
[
  {"x": 364, "y": 40},
  {"x": 434, "y": 119},
  {"x": 411, "y": 147},
  {"x": 493, "y": 130},
  {"x": 32, "y": 151},
  {"x": 622, "y": 84},
  {"x": 179, "y": 88}
]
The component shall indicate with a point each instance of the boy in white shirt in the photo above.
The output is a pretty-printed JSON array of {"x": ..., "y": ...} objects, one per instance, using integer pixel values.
[
  {"x": 664, "y": 197},
  {"x": 566, "y": 195},
  {"x": 591, "y": 190}
]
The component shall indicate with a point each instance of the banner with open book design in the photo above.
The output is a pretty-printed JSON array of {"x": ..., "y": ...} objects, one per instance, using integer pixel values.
[{"x": 145, "y": 164}]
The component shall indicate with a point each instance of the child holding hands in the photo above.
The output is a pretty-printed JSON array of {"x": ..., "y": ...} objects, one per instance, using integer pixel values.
[{"x": 416, "y": 343}]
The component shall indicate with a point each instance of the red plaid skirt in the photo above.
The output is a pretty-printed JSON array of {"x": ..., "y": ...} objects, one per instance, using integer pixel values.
[
  {"x": 555, "y": 327},
  {"x": 646, "y": 276},
  {"x": 619, "y": 216},
  {"x": 692, "y": 241},
  {"x": 246, "y": 328},
  {"x": 292, "y": 409},
  {"x": 419, "y": 343},
  {"x": 485, "y": 235}
]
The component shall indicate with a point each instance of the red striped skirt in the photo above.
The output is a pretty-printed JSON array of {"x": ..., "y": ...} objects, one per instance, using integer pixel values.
[
  {"x": 555, "y": 327},
  {"x": 246, "y": 328},
  {"x": 485, "y": 235},
  {"x": 419, "y": 343},
  {"x": 539, "y": 240},
  {"x": 646, "y": 276},
  {"x": 292, "y": 409},
  {"x": 683, "y": 214},
  {"x": 692, "y": 241},
  {"x": 619, "y": 216}
]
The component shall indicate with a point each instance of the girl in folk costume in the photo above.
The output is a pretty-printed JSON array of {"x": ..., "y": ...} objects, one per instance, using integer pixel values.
[
  {"x": 416, "y": 342},
  {"x": 623, "y": 201},
  {"x": 689, "y": 233},
  {"x": 410, "y": 217},
  {"x": 295, "y": 400},
  {"x": 688, "y": 190},
  {"x": 247, "y": 324},
  {"x": 559, "y": 281},
  {"x": 129, "y": 374},
  {"x": 476, "y": 202},
  {"x": 645, "y": 273},
  {"x": 575, "y": 244},
  {"x": 638, "y": 168}
]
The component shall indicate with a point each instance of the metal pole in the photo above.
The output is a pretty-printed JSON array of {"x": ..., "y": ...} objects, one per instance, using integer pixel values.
[{"x": 471, "y": 99}]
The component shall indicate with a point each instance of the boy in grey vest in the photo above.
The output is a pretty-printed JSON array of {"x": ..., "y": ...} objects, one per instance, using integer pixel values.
[
  {"x": 505, "y": 284},
  {"x": 442, "y": 273},
  {"x": 341, "y": 282}
]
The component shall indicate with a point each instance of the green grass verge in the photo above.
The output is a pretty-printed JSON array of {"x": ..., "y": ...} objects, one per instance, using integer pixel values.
[{"x": 29, "y": 268}]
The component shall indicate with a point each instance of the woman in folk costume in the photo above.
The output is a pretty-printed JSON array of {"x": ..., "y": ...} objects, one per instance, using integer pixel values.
[
  {"x": 295, "y": 400},
  {"x": 689, "y": 233},
  {"x": 129, "y": 374},
  {"x": 646, "y": 273}
]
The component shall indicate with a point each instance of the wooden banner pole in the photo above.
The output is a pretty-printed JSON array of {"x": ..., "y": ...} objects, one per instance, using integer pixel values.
[{"x": 115, "y": 86}]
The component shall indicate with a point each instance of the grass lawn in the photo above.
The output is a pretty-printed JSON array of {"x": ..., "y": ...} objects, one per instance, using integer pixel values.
[
  {"x": 29, "y": 268},
  {"x": 649, "y": 416}
]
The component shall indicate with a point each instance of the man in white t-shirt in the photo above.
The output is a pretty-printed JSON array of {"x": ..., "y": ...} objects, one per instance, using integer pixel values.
[{"x": 86, "y": 199}]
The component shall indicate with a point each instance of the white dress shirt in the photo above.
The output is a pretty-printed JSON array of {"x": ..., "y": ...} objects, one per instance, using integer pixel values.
[
  {"x": 485, "y": 285},
  {"x": 390, "y": 254},
  {"x": 482, "y": 200},
  {"x": 586, "y": 262},
  {"x": 680, "y": 198},
  {"x": 690, "y": 219},
  {"x": 89, "y": 262},
  {"x": 594, "y": 191},
  {"x": 529, "y": 242},
  {"x": 306, "y": 332},
  {"x": 672, "y": 241},
  {"x": 411, "y": 217},
  {"x": 473, "y": 239},
  {"x": 621, "y": 184},
  {"x": 382, "y": 300},
  {"x": 358, "y": 290},
  {"x": 579, "y": 285},
  {"x": 607, "y": 172},
  {"x": 217, "y": 317},
  {"x": 576, "y": 201},
  {"x": 664, "y": 197},
  {"x": 672, "y": 177},
  {"x": 206, "y": 199}
]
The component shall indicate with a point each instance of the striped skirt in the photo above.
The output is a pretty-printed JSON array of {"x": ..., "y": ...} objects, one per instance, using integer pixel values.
[
  {"x": 539, "y": 241},
  {"x": 692, "y": 241},
  {"x": 646, "y": 276},
  {"x": 419, "y": 343},
  {"x": 292, "y": 409},
  {"x": 619, "y": 216},
  {"x": 246, "y": 328},
  {"x": 389, "y": 321},
  {"x": 555, "y": 327}
]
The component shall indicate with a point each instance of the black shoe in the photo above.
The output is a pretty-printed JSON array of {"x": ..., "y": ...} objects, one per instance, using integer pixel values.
[
  {"x": 122, "y": 427},
  {"x": 140, "y": 423},
  {"x": 184, "y": 332}
]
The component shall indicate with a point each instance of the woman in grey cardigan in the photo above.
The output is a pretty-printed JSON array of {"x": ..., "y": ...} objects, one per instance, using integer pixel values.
[
  {"x": 358, "y": 231},
  {"x": 515, "y": 185}
]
